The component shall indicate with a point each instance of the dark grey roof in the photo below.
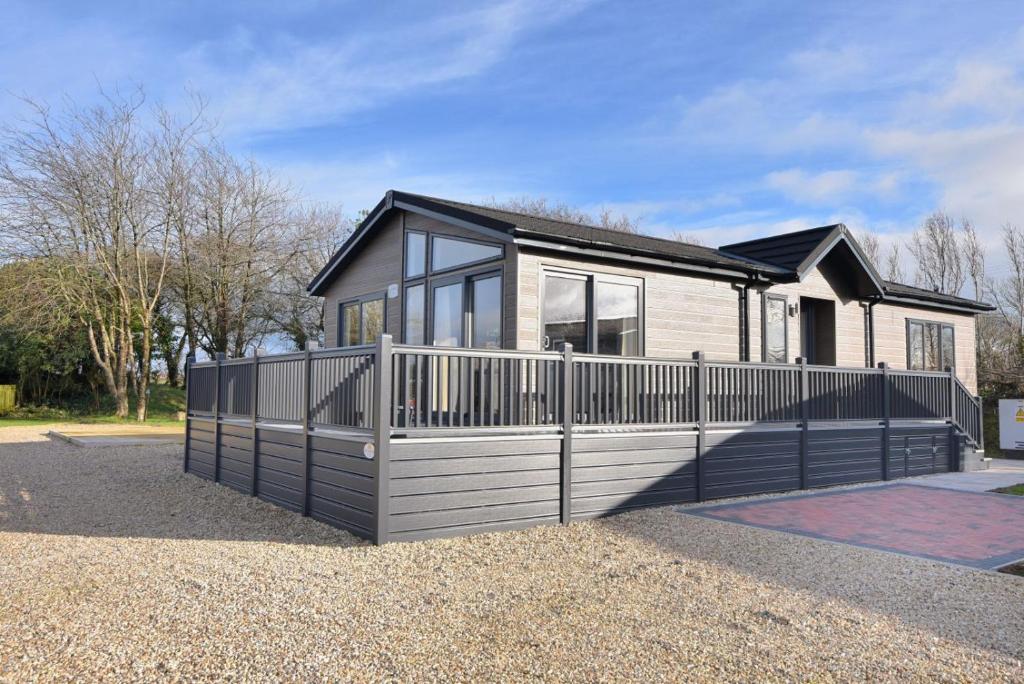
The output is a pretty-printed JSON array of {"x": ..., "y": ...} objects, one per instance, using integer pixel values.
[
  {"x": 542, "y": 227},
  {"x": 789, "y": 250},
  {"x": 777, "y": 258}
]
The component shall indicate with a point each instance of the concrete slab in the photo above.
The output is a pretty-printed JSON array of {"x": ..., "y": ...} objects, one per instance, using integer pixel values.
[
  {"x": 1001, "y": 472},
  {"x": 119, "y": 439},
  {"x": 979, "y": 530}
]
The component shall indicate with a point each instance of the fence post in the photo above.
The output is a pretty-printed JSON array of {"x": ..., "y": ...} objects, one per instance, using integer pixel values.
[
  {"x": 306, "y": 358},
  {"x": 218, "y": 357},
  {"x": 886, "y": 418},
  {"x": 805, "y": 417},
  {"x": 981, "y": 423},
  {"x": 254, "y": 410},
  {"x": 568, "y": 407},
  {"x": 189, "y": 360},
  {"x": 952, "y": 394},
  {"x": 382, "y": 435},
  {"x": 702, "y": 419}
]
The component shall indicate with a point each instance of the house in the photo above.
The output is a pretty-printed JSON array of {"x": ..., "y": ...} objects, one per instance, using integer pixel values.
[{"x": 437, "y": 272}]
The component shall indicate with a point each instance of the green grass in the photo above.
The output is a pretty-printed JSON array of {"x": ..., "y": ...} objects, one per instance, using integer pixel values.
[
  {"x": 164, "y": 404},
  {"x": 1017, "y": 489}
]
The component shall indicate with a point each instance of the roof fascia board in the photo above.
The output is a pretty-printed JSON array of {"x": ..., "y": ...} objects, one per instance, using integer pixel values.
[
  {"x": 620, "y": 256},
  {"x": 446, "y": 218},
  {"x": 380, "y": 210},
  {"x": 926, "y": 303},
  {"x": 823, "y": 250}
]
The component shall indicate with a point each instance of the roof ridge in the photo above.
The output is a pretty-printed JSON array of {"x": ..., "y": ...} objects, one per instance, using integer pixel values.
[
  {"x": 562, "y": 221},
  {"x": 830, "y": 227}
]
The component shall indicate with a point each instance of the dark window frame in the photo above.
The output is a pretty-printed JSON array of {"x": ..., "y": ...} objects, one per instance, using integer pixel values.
[
  {"x": 359, "y": 301},
  {"x": 405, "y": 254},
  {"x": 592, "y": 279},
  {"x": 466, "y": 280},
  {"x": 941, "y": 325},
  {"x": 468, "y": 264},
  {"x": 765, "y": 296},
  {"x": 405, "y": 309}
]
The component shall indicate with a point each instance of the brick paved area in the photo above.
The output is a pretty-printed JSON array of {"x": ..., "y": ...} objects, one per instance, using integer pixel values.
[{"x": 980, "y": 530}]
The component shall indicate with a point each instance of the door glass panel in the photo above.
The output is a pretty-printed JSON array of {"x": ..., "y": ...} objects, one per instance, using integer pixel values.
[
  {"x": 565, "y": 312},
  {"x": 350, "y": 325},
  {"x": 486, "y": 313},
  {"x": 448, "y": 315},
  {"x": 414, "y": 314},
  {"x": 931, "y": 347},
  {"x": 775, "y": 330},
  {"x": 449, "y": 253},
  {"x": 948, "y": 352},
  {"x": 373, "y": 320},
  {"x": 415, "y": 254},
  {"x": 618, "y": 317},
  {"x": 915, "y": 343}
]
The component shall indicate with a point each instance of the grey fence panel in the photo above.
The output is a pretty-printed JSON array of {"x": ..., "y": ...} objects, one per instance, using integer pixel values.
[
  {"x": 341, "y": 486},
  {"x": 280, "y": 392},
  {"x": 919, "y": 450},
  {"x": 280, "y": 468},
  {"x": 341, "y": 389},
  {"x": 744, "y": 462},
  {"x": 844, "y": 393},
  {"x": 236, "y": 387},
  {"x": 202, "y": 448},
  {"x": 919, "y": 394},
  {"x": 610, "y": 390},
  {"x": 844, "y": 455},
  {"x": 201, "y": 383},
  {"x": 612, "y": 473},
  {"x": 437, "y": 387},
  {"x": 468, "y": 485},
  {"x": 235, "y": 462},
  {"x": 968, "y": 414},
  {"x": 753, "y": 392}
]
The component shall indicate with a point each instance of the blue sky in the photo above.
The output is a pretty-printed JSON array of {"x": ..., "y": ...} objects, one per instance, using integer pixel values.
[{"x": 722, "y": 120}]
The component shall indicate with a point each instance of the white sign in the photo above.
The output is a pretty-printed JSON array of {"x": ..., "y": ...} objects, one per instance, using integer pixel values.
[
  {"x": 1011, "y": 423},
  {"x": 393, "y": 291}
]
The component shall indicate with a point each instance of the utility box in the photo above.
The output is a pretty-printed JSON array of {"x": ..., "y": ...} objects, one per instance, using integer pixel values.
[{"x": 7, "y": 394}]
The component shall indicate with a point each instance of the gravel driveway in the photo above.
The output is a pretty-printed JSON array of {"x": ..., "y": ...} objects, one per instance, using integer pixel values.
[{"x": 114, "y": 565}]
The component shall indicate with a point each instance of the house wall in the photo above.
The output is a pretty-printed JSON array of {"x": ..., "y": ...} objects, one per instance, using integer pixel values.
[
  {"x": 687, "y": 313},
  {"x": 891, "y": 337},
  {"x": 683, "y": 313},
  {"x": 380, "y": 264},
  {"x": 377, "y": 265}
]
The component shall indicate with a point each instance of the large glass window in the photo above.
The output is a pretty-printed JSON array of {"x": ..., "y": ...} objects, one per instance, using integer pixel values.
[
  {"x": 775, "y": 337},
  {"x": 415, "y": 314},
  {"x": 930, "y": 346},
  {"x": 448, "y": 315},
  {"x": 486, "y": 313},
  {"x": 618, "y": 319},
  {"x": 565, "y": 312},
  {"x": 362, "y": 322},
  {"x": 415, "y": 254},
  {"x": 449, "y": 252}
]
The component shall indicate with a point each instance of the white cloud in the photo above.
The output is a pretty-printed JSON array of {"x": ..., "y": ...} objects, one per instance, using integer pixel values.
[
  {"x": 272, "y": 82},
  {"x": 813, "y": 188}
]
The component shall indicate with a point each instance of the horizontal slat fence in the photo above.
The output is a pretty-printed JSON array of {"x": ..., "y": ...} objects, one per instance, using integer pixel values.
[{"x": 404, "y": 442}]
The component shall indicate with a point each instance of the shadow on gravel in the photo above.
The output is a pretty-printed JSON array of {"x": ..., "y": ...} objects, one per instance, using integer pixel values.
[
  {"x": 958, "y": 603},
  {"x": 48, "y": 486}
]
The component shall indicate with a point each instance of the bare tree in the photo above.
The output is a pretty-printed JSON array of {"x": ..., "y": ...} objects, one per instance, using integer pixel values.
[
  {"x": 688, "y": 238},
  {"x": 894, "y": 265},
  {"x": 81, "y": 192},
  {"x": 561, "y": 211},
  {"x": 320, "y": 230},
  {"x": 872, "y": 249},
  {"x": 936, "y": 249},
  {"x": 974, "y": 258}
]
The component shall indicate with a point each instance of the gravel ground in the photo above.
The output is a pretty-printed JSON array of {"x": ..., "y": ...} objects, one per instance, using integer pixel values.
[{"x": 114, "y": 565}]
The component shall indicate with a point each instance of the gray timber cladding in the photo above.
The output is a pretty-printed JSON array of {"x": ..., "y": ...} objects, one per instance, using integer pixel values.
[
  {"x": 612, "y": 473},
  {"x": 751, "y": 461},
  {"x": 462, "y": 486}
]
